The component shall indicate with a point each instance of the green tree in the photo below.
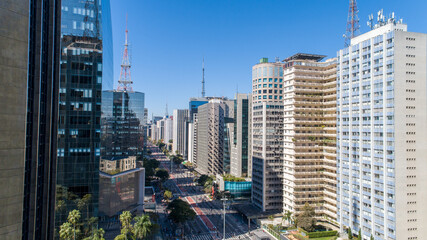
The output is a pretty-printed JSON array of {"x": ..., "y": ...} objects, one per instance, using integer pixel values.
[
  {"x": 96, "y": 234},
  {"x": 66, "y": 231},
  {"x": 359, "y": 236},
  {"x": 70, "y": 229},
  {"x": 142, "y": 226},
  {"x": 349, "y": 233},
  {"x": 167, "y": 195},
  {"x": 372, "y": 237},
  {"x": 126, "y": 228},
  {"x": 306, "y": 219},
  {"x": 180, "y": 211},
  {"x": 287, "y": 216},
  {"x": 163, "y": 174}
]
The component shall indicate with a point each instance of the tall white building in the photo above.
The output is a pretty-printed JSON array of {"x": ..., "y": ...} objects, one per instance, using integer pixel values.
[
  {"x": 180, "y": 119},
  {"x": 267, "y": 135},
  {"x": 168, "y": 129},
  {"x": 382, "y": 132},
  {"x": 310, "y": 135}
]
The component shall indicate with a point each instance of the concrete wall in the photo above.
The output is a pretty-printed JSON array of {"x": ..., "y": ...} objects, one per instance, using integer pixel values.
[{"x": 13, "y": 77}]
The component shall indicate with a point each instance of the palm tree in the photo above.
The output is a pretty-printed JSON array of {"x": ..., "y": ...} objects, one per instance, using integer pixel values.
[
  {"x": 73, "y": 218},
  {"x": 287, "y": 216},
  {"x": 142, "y": 226},
  {"x": 125, "y": 220},
  {"x": 97, "y": 234},
  {"x": 66, "y": 231}
]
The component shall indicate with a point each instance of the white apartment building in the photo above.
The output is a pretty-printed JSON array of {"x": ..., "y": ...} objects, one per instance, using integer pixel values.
[
  {"x": 266, "y": 135},
  {"x": 382, "y": 132},
  {"x": 180, "y": 119},
  {"x": 309, "y": 151}
]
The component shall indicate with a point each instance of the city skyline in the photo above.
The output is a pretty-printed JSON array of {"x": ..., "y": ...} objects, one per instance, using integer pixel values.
[{"x": 222, "y": 32}]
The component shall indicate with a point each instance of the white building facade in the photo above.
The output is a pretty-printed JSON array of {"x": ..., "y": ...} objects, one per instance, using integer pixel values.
[
  {"x": 382, "y": 132},
  {"x": 180, "y": 119}
]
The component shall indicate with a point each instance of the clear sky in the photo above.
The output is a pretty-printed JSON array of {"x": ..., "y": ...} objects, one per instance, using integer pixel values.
[{"x": 169, "y": 38}]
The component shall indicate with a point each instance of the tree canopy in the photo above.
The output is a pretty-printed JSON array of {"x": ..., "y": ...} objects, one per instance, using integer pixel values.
[
  {"x": 180, "y": 211},
  {"x": 306, "y": 219},
  {"x": 163, "y": 174}
]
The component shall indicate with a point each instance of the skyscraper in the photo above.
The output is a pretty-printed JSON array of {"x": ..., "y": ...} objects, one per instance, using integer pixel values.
[
  {"x": 267, "y": 135},
  {"x": 180, "y": 119},
  {"x": 382, "y": 128},
  {"x": 29, "y": 63},
  {"x": 122, "y": 123},
  {"x": 210, "y": 135},
  {"x": 239, "y": 164},
  {"x": 85, "y": 35},
  {"x": 309, "y": 135}
]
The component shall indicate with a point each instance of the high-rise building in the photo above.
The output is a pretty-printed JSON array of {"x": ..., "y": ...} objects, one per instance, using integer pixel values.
[
  {"x": 195, "y": 103},
  {"x": 381, "y": 126},
  {"x": 168, "y": 129},
  {"x": 210, "y": 135},
  {"x": 29, "y": 64},
  {"x": 122, "y": 123},
  {"x": 180, "y": 119},
  {"x": 309, "y": 156},
  {"x": 145, "y": 116},
  {"x": 267, "y": 135},
  {"x": 239, "y": 163},
  {"x": 86, "y": 67}
]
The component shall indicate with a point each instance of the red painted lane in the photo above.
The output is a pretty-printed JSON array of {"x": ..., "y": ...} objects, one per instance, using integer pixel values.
[{"x": 195, "y": 207}]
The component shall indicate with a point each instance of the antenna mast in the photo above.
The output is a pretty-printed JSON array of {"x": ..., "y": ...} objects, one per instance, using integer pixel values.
[
  {"x": 125, "y": 81},
  {"x": 203, "y": 78},
  {"x": 352, "y": 23}
]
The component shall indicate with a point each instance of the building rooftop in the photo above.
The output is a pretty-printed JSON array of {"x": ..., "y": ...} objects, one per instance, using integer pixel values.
[{"x": 305, "y": 56}]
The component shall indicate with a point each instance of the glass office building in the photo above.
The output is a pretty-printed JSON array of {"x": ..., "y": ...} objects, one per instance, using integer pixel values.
[
  {"x": 82, "y": 63},
  {"x": 122, "y": 123}
]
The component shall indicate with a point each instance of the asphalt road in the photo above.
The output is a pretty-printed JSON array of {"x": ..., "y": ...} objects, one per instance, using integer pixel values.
[{"x": 209, "y": 223}]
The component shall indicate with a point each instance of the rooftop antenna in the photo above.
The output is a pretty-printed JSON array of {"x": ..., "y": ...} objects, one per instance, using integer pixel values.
[
  {"x": 203, "y": 78},
  {"x": 125, "y": 81},
  {"x": 371, "y": 22},
  {"x": 352, "y": 23}
]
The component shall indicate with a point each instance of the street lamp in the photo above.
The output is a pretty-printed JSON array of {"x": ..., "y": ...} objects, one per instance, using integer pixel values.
[{"x": 225, "y": 205}]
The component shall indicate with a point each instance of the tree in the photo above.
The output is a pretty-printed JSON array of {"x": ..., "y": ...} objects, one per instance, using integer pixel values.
[
  {"x": 372, "y": 237},
  {"x": 66, "y": 231},
  {"x": 126, "y": 229},
  {"x": 306, "y": 219},
  {"x": 69, "y": 229},
  {"x": 350, "y": 234},
  {"x": 163, "y": 174},
  {"x": 180, "y": 211},
  {"x": 271, "y": 217},
  {"x": 142, "y": 226},
  {"x": 359, "y": 237},
  {"x": 97, "y": 234},
  {"x": 167, "y": 195},
  {"x": 287, "y": 216}
]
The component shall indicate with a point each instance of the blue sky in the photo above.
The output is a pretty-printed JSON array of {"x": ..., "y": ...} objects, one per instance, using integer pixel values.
[{"x": 169, "y": 38}]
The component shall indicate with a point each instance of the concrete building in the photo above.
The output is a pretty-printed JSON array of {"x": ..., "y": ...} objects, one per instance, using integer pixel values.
[
  {"x": 382, "y": 129},
  {"x": 120, "y": 192},
  {"x": 180, "y": 120},
  {"x": 267, "y": 135},
  {"x": 29, "y": 64},
  {"x": 190, "y": 137},
  {"x": 239, "y": 165},
  {"x": 210, "y": 135},
  {"x": 168, "y": 135},
  {"x": 309, "y": 135}
]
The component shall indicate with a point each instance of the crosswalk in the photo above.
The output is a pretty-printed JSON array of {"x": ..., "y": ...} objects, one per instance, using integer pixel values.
[{"x": 208, "y": 236}]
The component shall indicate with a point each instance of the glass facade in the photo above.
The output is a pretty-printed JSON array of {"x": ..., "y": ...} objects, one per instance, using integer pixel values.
[
  {"x": 122, "y": 123},
  {"x": 239, "y": 190},
  {"x": 81, "y": 82},
  {"x": 120, "y": 192},
  {"x": 194, "y": 104}
]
